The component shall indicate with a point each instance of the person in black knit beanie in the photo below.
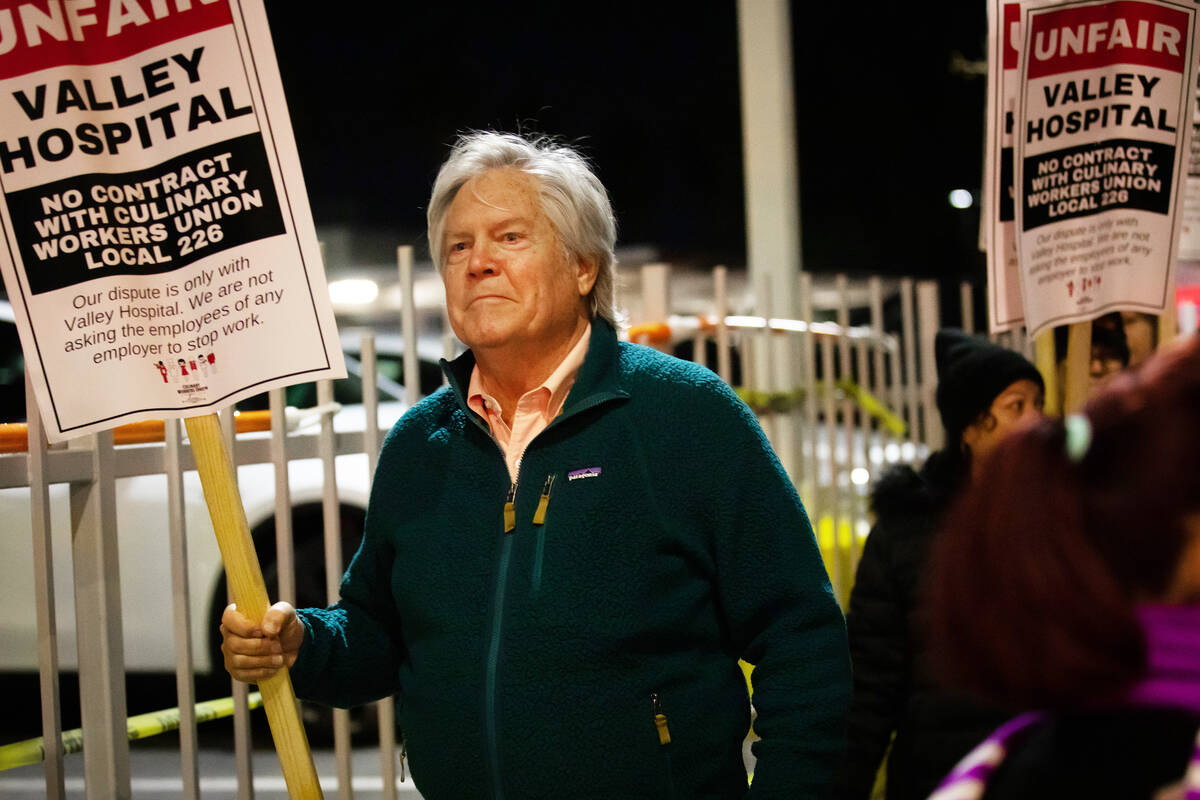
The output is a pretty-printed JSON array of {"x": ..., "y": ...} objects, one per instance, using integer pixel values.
[{"x": 984, "y": 392}]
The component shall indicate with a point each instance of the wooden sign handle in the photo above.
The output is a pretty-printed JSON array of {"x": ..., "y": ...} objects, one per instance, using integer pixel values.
[
  {"x": 1079, "y": 361},
  {"x": 244, "y": 575},
  {"x": 1168, "y": 324},
  {"x": 1048, "y": 367}
]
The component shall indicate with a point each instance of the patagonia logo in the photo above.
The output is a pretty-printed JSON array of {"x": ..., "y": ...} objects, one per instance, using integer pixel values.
[{"x": 589, "y": 472}]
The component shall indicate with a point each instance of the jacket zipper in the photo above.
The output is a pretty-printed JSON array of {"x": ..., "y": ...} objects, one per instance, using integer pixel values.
[
  {"x": 510, "y": 509},
  {"x": 664, "y": 741},
  {"x": 489, "y": 699},
  {"x": 539, "y": 519},
  {"x": 493, "y": 658},
  {"x": 660, "y": 721},
  {"x": 539, "y": 516}
]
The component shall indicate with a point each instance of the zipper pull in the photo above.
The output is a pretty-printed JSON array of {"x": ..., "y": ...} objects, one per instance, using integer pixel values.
[
  {"x": 403, "y": 758},
  {"x": 660, "y": 721},
  {"x": 510, "y": 509},
  {"x": 539, "y": 516}
]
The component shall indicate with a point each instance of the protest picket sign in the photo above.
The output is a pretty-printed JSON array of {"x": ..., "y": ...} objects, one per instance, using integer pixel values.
[
  {"x": 1101, "y": 136},
  {"x": 1000, "y": 235},
  {"x": 1189, "y": 238},
  {"x": 1005, "y": 311},
  {"x": 157, "y": 246}
]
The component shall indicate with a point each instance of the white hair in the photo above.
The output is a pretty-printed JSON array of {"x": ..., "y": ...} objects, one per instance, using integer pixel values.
[{"x": 572, "y": 198}]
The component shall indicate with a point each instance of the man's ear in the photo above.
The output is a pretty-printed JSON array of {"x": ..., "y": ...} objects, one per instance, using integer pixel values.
[{"x": 585, "y": 275}]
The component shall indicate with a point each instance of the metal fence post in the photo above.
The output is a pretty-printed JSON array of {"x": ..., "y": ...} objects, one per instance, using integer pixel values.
[
  {"x": 331, "y": 516},
  {"x": 831, "y": 497},
  {"x": 763, "y": 372},
  {"x": 967, "y": 301},
  {"x": 845, "y": 460},
  {"x": 721, "y": 297},
  {"x": 879, "y": 382},
  {"x": 928, "y": 321},
  {"x": 284, "y": 567},
  {"x": 808, "y": 361},
  {"x": 98, "y": 626},
  {"x": 908, "y": 342},
  {"x": 43, "y": 581},
  {"x": 385, "y": 709},
  {"x": 185, "y": 687},
  {"x": 408, "y": 328},
  {"x": 656, "y": 297}
]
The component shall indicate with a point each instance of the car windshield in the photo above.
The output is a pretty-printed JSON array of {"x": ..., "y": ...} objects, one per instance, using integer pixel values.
[
  {"x": 12, "y": 370},
  {"x": 389, "y": 372}
]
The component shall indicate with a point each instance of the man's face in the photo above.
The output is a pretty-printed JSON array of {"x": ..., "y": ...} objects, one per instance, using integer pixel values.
[
  {"x": 509, "y": 281},
  {"x": 1019, "y": 404}
]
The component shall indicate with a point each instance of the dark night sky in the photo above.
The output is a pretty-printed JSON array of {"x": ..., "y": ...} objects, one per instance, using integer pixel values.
[{"x": 650, "y": 92}]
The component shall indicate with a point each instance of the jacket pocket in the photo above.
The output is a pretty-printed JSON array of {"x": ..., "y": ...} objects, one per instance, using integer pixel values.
[
  {"x": 663, "y": 737},
  {"x": 539, "y": 557}
]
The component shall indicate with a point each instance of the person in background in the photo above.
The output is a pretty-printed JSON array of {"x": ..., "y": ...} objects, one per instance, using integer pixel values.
[
  {"x": 1141, "y": 335},
  {"x": 984, "y": 392},
  {"x": 568, "y": 549},
  {"x": 1109, "y": 350},
  {"x": 1067, "y": 580}
]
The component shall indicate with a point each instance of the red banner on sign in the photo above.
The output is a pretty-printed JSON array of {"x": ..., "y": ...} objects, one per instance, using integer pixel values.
[
  {"x": 1091, "y": 37},
  {"x": 50, "y": 33}
]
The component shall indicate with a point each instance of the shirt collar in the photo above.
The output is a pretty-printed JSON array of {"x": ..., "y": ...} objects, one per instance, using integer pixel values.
[
  {"x": 600, "y": 378},
  {"x": 554, "y": 389}
]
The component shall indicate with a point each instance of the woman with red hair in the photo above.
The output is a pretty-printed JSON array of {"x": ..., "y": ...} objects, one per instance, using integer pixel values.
[{"x": 1067, "y": 581}]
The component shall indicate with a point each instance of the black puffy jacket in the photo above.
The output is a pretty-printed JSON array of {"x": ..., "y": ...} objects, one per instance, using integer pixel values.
[{"x": 893, "y": 690}]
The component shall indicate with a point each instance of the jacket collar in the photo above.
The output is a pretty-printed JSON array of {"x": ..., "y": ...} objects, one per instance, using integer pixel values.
[{"x": 598, "y": 381}]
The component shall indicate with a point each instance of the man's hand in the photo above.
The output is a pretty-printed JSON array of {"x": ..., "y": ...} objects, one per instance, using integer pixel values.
[{"x": 256, "y": 652}]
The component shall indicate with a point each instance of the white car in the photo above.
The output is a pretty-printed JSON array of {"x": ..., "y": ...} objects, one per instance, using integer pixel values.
[{"x": 143, "y": 542}]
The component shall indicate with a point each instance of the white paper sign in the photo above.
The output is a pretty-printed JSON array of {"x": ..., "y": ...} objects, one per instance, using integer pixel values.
[
  {"x": 1004, "y": 82},
  {"x": 1189, "y": 237},
  {"x": 157, "y": 245},
  {"x": 1100, "y": 151}
]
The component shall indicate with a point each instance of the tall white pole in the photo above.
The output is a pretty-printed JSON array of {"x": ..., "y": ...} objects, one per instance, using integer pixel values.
[
  {"x": 772, "y": 189},
  {"x": 772, "y": 179}
]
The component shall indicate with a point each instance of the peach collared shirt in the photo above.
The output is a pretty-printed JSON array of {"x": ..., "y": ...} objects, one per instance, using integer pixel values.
[{"x": 535, "y": 409}]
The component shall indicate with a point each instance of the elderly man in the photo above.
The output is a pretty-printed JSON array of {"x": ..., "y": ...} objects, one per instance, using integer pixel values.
[{"x": 569, "y": 547}]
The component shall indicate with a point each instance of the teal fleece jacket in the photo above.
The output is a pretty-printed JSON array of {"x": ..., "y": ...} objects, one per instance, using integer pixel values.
[{"x": 653, "y": 539}]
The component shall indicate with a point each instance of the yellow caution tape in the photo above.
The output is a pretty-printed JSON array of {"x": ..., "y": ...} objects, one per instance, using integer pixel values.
[
  {"x": 143, "y": 726},
  {"x": 772, "y": 402},
  {"x": 873, "y": 406},
  {"x": 783, "y": 402}
]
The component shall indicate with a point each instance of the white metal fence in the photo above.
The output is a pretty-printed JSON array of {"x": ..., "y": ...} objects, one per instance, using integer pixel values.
[
  {"x": 91, "y": 469},
  {"x": 830, "y": 429},
  {"x": 829, "y": 395}
]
